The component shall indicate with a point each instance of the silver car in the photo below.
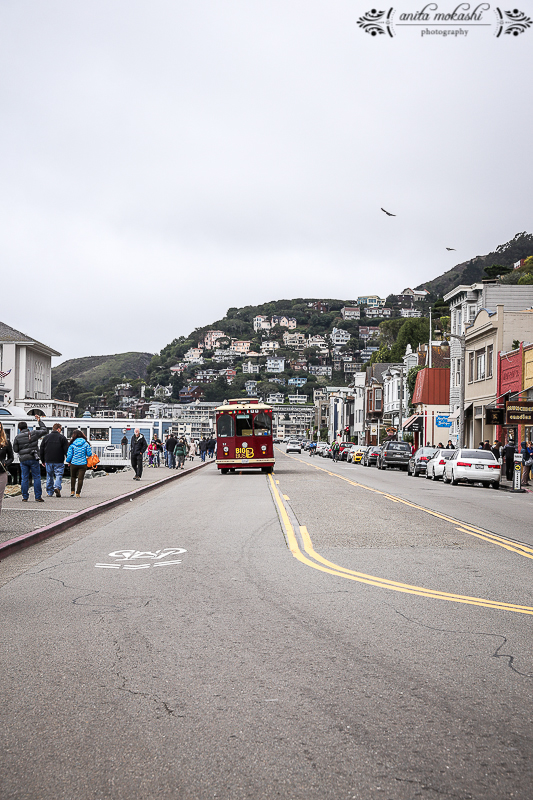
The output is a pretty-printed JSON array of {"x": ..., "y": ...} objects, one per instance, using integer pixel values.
[
  {"x": 293, "y": 446},
  {"x": 436, "y": 464},
  {"x": 472, "y": 466}
]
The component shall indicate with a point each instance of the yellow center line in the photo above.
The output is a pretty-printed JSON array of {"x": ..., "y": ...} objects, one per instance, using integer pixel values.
[
  {"x": 323, "y": 565},
  {"x": 479, "y": 533}
]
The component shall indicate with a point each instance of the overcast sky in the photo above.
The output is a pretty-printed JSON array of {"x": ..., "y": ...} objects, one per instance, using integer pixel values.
[{"x": 164, "y": 160}]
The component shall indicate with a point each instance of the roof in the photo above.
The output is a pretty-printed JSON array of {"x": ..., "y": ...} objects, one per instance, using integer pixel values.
[
  {"x": 245, "y": 406},
  {"x": 9, "y": 334}
]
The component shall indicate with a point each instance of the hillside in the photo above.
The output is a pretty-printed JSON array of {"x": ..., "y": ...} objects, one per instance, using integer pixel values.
[
  {"x": 472, "y": 271},
  {"x": 93, "y": 371}
]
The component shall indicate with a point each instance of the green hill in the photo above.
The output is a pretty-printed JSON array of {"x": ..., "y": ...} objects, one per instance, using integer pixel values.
[
  {"x": 473, "y": 271},
  {"x": 93, "y": 371}
]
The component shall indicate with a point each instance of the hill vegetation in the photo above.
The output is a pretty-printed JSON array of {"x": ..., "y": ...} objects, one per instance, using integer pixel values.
[{"x": 92, "y": 371}]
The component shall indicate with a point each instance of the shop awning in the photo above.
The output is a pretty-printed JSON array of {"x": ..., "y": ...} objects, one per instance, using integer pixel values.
[
  {"x": 456, "y": 413},
  {"x": 411, "y": 421}
]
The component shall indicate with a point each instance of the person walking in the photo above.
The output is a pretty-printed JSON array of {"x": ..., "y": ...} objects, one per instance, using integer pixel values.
[
  {"x": 192, "y": 450},
  {"x": 508, "y": 454},
  {"x": 78, "y": 452},
  {"x": 6, "y": 459},
  {"x": 496, "y": 449},
  {"x": 449, "y": 446},
  {"x": 211, "y": 444},
  {"x": 526, "y": 463},
  {"x": 139, "y": 447},
  {"x": 335, "y": 450},
  {"x": 25, "y": 444},
  {"x": 181, "y": 452},
  {"x": 202, "y": 447},
  {"x": 158, "y": 450},
  {"x": 170, "y": 446},
  {"x": 124, "y": 445},
  {"x": 54, "y": 448}
]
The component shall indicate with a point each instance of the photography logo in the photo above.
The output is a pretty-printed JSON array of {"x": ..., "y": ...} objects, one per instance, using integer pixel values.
[{"x": 459, "y": 21}]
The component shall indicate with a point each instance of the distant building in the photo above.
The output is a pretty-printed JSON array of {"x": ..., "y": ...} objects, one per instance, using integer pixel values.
[
  {"x": 251, "y": 388},
  {"x": 283, "y": 322},
  {"x": 370, "y": 300},
  {"x": 368, "y": 332},
  {"x": 416, "y": 294},
  {"x": 294, "y": 340},
  {"x": 378, "y": 312},
  {"x": 240, "y": 346},
  {"x": 319, "y": 306},
  {"x": 261, "y": 323},
  {"x": 339, "y": 336},
  {"x": 275, "y": 364},
  {"x": 297, "y": 398},
  {"x": 190, "y": 394},
  {"x": 410, "y": 312},
  {"x": 297, "y": 381},
  {"x": 250, "y": 369},
  {"x": 351, "y": 312},
  {"x": 210, "y": 338},
  {"x": 318, "y": 370},
  {"x": 177, "y": 369},
  {"x": 269, "y": 345},
  {"x": 275, "y": 397}
]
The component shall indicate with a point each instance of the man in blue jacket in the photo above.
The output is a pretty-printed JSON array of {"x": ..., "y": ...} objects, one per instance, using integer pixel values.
[{"x": 25, "y": 444}]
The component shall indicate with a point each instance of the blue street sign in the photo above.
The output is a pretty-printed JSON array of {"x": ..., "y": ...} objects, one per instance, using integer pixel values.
[{"x": 443, "y": 422}]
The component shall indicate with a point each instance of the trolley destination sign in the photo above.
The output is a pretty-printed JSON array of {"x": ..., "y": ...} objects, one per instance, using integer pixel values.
[{"x": 519, "y": 412}]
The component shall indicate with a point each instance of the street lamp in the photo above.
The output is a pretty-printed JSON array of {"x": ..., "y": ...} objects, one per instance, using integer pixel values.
[{"x": 462, "y": 342}]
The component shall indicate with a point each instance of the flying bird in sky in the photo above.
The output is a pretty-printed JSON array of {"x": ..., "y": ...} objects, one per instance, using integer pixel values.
[
  {"x": 388, "y": 213},
  {"x": 450, "y": 248}
]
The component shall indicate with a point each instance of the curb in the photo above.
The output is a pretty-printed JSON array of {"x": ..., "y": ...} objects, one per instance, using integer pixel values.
[{"x": 27, "y": 539}]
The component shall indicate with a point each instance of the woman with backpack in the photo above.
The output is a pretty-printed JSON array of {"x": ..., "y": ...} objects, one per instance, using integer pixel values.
[
  {"x": 77, "y": 454},
  {"x": 180, "y": 452}
]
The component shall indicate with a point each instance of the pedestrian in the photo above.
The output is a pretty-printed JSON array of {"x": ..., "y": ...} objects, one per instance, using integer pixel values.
[
  {"x": 54, "y": 448},
  {"x": 496, "y": 449},
  {"x": 158, "y": 450},
  {"x": 486, "y": 445},
  {"x": 508, "y": 452},
  {"x": 6, "y": 459},
  {"x": 25, "y": 444},
  {"x": 124, "y": 445},
  {"x": 202, "y": 447},
  {"x": 211, "y": 444},
  {"x": 138, "y": 448},
  {"x": 170, "y": 446},
  {"x": 481, "y": 446},
  {"x": 152, "y": 450},
  {"x": 450, "y": 446},
  {"x": 440, "y": 446},
  {"x": 78, "y": 452},
  {"x": 192, "y": 450},
  {"x": 181, "y": 452},
  {"x": 335, "y": 450}
]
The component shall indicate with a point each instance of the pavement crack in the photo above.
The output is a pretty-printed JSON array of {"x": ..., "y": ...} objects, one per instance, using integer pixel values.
[{"x": 496, "y": 654}]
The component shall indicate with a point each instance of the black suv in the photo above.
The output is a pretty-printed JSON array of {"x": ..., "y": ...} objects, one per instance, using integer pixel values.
[{"x": 394, "y": 454}]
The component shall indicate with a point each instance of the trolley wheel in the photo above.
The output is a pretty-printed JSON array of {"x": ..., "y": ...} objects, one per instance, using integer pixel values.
[
  {"x": 268, "y": 470},
  {"x": 224, "y": 471}
]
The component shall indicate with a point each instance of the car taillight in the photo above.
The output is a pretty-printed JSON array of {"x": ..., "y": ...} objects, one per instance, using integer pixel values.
[
  {"x": 442, "y": 462},
  {"x": 463, "y": 464},
  {"x": 494, "y": 466},
  {"x": 423, "y": 458}
]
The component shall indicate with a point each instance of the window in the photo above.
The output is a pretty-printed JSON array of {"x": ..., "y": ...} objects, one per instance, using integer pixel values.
[
  {"x": 480, "y": 365},
  {"x": 471, "y": 313},
  {"x": 470, "y": 367},
  {"x": 377, "y": 398},
  {"x": 99, "y": 434},
  {"x": 490, "y": 351},
  {"x": 262, "y": 424},
  {"x": 458, "y": 372},
  {"x": 225, "y": 425},
  {"x": 244, "y": 425}
]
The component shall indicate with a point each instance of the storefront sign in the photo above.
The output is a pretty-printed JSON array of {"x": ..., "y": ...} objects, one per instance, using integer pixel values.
[
  {"x": 443, "y": 421},
  {"x": 519, "y": 412},
  {"x": 494, "y": 416}
]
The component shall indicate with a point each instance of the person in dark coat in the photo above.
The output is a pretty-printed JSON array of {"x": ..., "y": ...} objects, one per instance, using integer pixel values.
[
  {"x": 170, "y": 446},
  {"x": 211, "y": 444},
  {"x": 202, "y": 447},
  {"x": 25, "y": 444},
  {"x": 139, "y": 446},
  {"x": 124, "y": 445},
  {"x": 496, "y": 449},
  {"x": 54, "y": 448},
  {"x": 6, "y": 459},
  {"x": 508, "y": 454}
]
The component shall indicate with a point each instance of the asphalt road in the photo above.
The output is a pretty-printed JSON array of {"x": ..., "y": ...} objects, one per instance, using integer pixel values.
[{"x": 296, "y": 637}]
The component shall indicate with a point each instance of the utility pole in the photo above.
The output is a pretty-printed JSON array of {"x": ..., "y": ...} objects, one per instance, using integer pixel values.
[
  {"x": 462, "y": 342},
  {"x": 400, "y": 417},
  {"x": 430, "y": 339}
]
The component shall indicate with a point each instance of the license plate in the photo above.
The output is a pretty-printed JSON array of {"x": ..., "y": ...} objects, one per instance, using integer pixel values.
[
  {"x": 244, "y": 461},
  {"x": 479, "y": 466}
]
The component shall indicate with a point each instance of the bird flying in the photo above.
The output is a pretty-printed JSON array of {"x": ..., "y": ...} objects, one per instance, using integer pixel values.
[
  {"x": 450, "y": 248},
  {"x": 388, "y": 213}
]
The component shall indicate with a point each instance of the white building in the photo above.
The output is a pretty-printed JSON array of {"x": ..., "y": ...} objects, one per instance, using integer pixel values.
[
  {"x": 225, "y": 356},
  {"x": 269, "y": 345},
  {"x": 240, "y": 346},
  {"x": 275, "y": 397},
  {"x": 297, "y": 381},
  {"x": 339, "y": 336},
  {"x": 315, "y": 369},
  {"x": 378, "y": 312},
  {"x": 294, "y": 340},
  {"x": 283, "y": 322},
  {"x": 416, "y": 294},
  {"x": 261, "y": 323},
  {"x": 251, "y": 388},
  {"x": 210, "y": 338},
  {"x": 28, "y": 383},
  {"x": 250, "y": 369},
  {"x": 370, "y": 300},
  {"x": 320, "y": 343},
  {"x": 194, "y": 355},
  {"x": 392, "y": 389},
  {"x": 351, "y": 312},
  {"x": 297, "y": 398},
  {"x": 275, "y": 364},
  {"x": 410, "y": 312}
]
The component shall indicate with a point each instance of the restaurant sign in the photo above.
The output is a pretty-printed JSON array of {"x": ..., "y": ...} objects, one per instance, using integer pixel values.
[{"x": 519, "y": 412}]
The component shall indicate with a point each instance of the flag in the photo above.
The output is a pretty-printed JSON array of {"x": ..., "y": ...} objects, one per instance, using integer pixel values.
[{"x": 4, "y": 374}]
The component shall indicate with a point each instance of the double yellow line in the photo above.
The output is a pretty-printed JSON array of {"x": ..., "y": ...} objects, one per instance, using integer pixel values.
[{"x": 323, "y": 565}]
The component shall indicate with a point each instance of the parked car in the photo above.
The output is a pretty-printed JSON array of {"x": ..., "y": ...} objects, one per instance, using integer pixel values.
[
  {"x": 435, "y": 465},
  {"x": 344, "y": 447},
  {"x": 370, "y": 456},
  {"x": 394, "y": 454},
  {"x": 293, "y": 446},
  {"x": 356, "y": 454},
  {"x": 473, "y": 466},
  {"x": 321, "y": 446},
  {"x": 418, "y": 463}
]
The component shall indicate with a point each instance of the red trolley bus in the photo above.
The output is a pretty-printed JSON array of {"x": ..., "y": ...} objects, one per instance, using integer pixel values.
[{"x": 244, "y": 436}]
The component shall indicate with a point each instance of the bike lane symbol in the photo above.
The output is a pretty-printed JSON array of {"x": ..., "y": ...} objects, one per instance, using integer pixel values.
[{"x": 123, "y": 558}]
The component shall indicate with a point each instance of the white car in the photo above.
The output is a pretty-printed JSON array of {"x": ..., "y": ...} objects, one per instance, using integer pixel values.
[
  {"x": 473, "y": 466},
  {"x": 436, "y": 464},
  {"x": 293, "y": 446}
]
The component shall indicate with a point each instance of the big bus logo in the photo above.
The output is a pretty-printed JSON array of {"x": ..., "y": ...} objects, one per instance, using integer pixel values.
[{"x": 244, "y": 452}]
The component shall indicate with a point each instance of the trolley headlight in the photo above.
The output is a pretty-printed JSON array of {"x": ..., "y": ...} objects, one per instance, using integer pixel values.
[
  {"x": 263, "y": 448},
  {"x": 226, "y": 449}
]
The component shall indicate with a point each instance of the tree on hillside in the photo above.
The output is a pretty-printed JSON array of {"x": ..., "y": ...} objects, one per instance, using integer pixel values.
[
  {"x": 69, "y": 389},
  {"x": 388, "y": 331},
  {"x": 413, "y": 331}
]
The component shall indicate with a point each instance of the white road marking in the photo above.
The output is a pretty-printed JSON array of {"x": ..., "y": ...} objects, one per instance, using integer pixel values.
[
  {"x": 164, "y": 563},
  {"x": 136, "y": 566},
  {"x": 108, "y": 566}
]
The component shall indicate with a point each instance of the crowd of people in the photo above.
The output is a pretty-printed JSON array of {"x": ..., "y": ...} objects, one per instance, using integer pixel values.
[{"x": 174, "y": 451}]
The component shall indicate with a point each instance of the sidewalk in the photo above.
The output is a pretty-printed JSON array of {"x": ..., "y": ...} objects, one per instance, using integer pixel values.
[{"x": 18, "y": 518}]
